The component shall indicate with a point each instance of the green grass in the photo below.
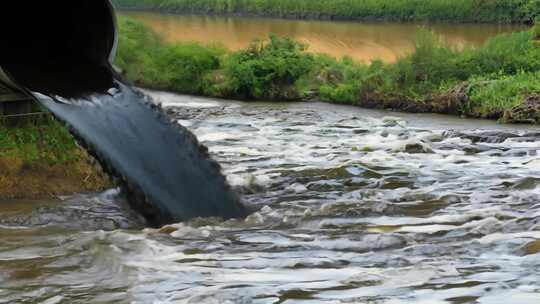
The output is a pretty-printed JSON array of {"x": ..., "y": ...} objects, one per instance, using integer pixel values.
[
  {"x": 42, "y": 141},
  {"x": 495, "y": 93},
  {"x": 147, "y": 61},
  {"x": 500, "y": 74},
  {"x": 434, "y": 67},
  {"x": 502, "y": 11},
  {"x": 265, "y": 70}
]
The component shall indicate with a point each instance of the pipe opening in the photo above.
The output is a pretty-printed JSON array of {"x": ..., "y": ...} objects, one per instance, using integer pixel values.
[{"x": 59, "y": 47}]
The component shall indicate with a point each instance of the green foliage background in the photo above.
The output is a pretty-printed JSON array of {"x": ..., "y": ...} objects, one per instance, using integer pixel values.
[
  {"x": 500, "y": 73},
  {"x": 503, "y": 11}
]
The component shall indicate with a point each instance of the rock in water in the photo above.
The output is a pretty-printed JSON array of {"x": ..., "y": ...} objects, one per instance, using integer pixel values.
[{"x": 531, "y": 248}]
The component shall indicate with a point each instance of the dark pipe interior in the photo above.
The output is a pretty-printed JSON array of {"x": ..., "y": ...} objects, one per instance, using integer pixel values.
[{"x": 58, "y": 47}]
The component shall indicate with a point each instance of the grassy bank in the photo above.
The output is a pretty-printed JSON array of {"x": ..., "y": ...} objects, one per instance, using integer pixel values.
[
  {"x": 40, "y": 159},
  {"x": 499, "y": 80},
  {"x": 502, "y": 11}
]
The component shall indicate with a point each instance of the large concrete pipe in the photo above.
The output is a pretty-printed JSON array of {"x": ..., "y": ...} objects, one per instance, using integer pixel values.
[
  {"x": 41, "y": 37},
  {"x": 60, "y": 54}
]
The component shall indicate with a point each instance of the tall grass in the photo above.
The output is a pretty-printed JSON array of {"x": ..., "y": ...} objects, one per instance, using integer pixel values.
[
  {"x": 266, "y": 70},
  {"x": 498, "y": 92},
  {"x": 433, "y": 66},
  {"x": 41, "y": 140},
  {"x": 146, "y": 60},
  {"x": 503, "y": 11}
]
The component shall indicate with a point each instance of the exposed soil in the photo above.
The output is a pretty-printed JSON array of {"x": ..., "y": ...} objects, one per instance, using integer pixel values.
[
  {"x": 528, "y": 112},
  {"x": 455, "y": 102},
  {"x": 20, "y": 180}
]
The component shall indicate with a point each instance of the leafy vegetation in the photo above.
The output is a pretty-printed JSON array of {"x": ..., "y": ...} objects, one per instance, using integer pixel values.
[
  {"x": 147, "y": 61},
  {"x": 498, "y": 75},
  {"x": 495, "y": 93},
  {"x": 42, "y": 141},
  {"x": 40, "y": 159},
  {"x": 265, "y": 70},
  {"x": 503, "y": 11}
]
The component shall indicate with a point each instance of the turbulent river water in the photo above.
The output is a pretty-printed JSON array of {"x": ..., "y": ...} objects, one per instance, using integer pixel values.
[
  {"x": 360, "y": 41},
  {"x": 355, "y": 206}
]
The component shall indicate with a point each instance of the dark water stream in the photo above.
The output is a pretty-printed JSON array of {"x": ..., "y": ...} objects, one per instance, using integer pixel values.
[
  {"x": 163, "y": 164},
  {"x": 357, "y": 206},
  {"x": 166, "y": 174}
]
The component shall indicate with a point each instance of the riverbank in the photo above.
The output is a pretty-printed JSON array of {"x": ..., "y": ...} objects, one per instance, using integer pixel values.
[
  {"x": 459, "y": 11},
  {"x": 497, "y": 81},
  {"x": 39, "y": 159},
  {"x": 361, "y": 41}
]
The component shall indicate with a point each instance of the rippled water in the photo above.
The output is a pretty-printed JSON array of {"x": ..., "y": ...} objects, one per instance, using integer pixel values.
[
  {"x": 362, "y": 41},
  {"x": 355, "y": 206}
]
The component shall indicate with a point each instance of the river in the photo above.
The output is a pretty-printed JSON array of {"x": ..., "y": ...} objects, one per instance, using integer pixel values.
[
  {"x": 360, "y": 41},
  {"x": 355, "y": 206}
]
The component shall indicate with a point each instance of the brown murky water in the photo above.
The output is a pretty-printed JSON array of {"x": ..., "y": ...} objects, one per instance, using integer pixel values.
[{"x": 360, "y": 41}]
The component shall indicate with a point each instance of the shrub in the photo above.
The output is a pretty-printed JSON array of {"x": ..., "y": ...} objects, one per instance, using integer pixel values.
[
  {"x": 148, "y": 61},
  {"x": 508, "y": 53},
  {"x": 184, "y": 66},
  {"x": 346, "y": 81},
  {"x": 530, "y": 11},
  {"x": 267, "y": 69}
]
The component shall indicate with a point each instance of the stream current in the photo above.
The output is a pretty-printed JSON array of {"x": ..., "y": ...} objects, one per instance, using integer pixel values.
[{"x": 355, "y": 206}]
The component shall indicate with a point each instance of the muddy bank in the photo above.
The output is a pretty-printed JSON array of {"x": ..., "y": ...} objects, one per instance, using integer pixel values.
[
  {"x": 526, "y": 113},
  {"x": 22, "y": 180},
  {"x": 452, "y": 102}
]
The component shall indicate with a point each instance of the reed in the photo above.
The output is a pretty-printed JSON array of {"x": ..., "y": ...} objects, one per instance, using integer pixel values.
[{"x": 478, "y": 11}]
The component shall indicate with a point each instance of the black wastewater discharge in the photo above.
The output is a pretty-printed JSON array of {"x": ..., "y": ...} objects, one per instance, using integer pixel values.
[{"x": 60, "y": 54}]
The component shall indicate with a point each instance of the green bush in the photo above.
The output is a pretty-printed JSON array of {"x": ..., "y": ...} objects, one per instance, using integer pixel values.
[
  {"x": 431, "y": 63},
  {"x": 347, "y": 82},
  {"x": 267, "y": 69},
  {"x": 346, "y": 93},
  {"x": 530, "y": 10},
  {"x": 184, "y": 66}
]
